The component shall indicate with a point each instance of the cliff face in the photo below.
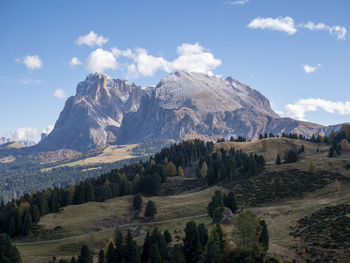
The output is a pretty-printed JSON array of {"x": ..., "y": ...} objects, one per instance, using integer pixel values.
[
  {"x": 188, "y": 105},
  {"x": 92, "y": 117},
  {"x": 183, "y": 105}
]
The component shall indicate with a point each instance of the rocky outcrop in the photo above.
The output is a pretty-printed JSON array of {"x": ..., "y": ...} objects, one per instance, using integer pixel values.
[
  {"x": 223, "y": 215},
  {"x": 92, "y": 117},
  {"x": 183, "y": 105}
]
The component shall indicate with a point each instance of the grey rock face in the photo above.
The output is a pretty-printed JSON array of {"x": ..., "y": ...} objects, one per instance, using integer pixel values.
[
  {"x": 225, "y": 217},
  {"x": 91, "y": 118},
  {"x": 183, "y": 105}
]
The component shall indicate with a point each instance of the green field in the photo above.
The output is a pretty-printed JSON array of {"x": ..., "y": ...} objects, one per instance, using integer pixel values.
[{"x": 93, "y": 223}]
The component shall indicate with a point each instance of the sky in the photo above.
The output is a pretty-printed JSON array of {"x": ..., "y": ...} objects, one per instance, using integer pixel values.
[{"x": 295, "y": 52}]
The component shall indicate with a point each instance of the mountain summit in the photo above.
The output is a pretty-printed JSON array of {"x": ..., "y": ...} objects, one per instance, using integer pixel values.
[{"x": 183, "y": 105}]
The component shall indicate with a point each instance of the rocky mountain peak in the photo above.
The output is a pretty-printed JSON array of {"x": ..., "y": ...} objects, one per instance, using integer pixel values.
[{"x": 182, "y": 105}]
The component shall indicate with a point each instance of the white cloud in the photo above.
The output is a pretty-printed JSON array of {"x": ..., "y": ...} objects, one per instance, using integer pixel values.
[
  {"x": 124, "y": 53},
  {"x": 29, "y": 133},
  {"x": 74, "y": 62},
  {"x": 31, "y": 62},
  {"x": 238, "y": 2},
  {"x": 299, "y": 109},
  {"x": 91, "y": 39},
  {"x": 338, "y": 31},
  {"x": 25, "y": 134},
  {"x": 48, "y": 129},
  {"x": 310, "y": 69},
  {"x": 192, "y": 58},
  {"x": 285, "y": 24},
  {"x": 60, "y": 93},
  {"x": 100, "y": 60},
  {"x": 148, "y": 65},
  {"x": 132, "y": 72}
]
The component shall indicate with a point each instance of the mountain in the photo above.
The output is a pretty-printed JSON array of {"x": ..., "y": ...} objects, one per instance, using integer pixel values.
[
  {"x": 92, "y": 117},
  {"x": 183, "y": 105}
]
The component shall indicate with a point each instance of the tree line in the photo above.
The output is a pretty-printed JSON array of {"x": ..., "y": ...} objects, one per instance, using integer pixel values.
[
  {"x": 17, "y": 217},
  {"x": 250, "y": 235}
]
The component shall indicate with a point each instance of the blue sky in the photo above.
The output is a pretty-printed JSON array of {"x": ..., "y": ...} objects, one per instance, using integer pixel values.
[{"x": 295, "y": 52}]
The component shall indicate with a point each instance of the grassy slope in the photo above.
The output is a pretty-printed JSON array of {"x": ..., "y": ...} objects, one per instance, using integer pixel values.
[{"x": 279, "y": 216}]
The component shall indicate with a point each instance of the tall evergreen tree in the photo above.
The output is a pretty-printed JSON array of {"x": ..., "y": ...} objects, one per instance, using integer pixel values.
[
  {"x": 203, "y": 234},
  {"x": 85, "y": 255},
  {"x": 137, "y": 202},
  {"x": 230, "y": 202},
  {"x": 146, "y": 249},
  {"x": 151, "y": 209},
  {"x": 8, "y": 252},
  {"x": 154, "y": 256},
  {"x": 27, "y": 223},
  {"x": 135, "y": 253},
  {"x": 110, "y": 258},
  {"x": 11, "y": 227},
  {"x": 216, "y": 201},
  {"x": 167, "y": 237},
  {"x": 212, "y": 254},
  {"x": 191, "y": 243},
  {"x": 264, "y": 236},
  {"x": 101, "y": 257},
  {"x": 177, "y": 255},
  {"x": 278, "y": 159}
]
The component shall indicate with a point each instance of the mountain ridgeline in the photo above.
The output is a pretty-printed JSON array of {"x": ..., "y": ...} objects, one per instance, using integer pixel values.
[{"x": 182, "y": 106}]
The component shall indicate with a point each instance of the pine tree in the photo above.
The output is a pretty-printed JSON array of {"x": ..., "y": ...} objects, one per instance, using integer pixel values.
[
  {"x": 264, "y": 236},
  {"x": 154, "y": 256},
  {"x": 135, "y": 253},
  {"x": 191, "y": 243},
  {"x": 203, "y": 234},
  {"x": 34, "y": 212},
  {"x": 8, "y": 252},
  {"x": 212, "y": 254},
  {"x": 292, "y": 156},
  {"x": 230, "y": 202},
  {"x": 27, "y": 223},
  {"x": 177, "y": 255},
  {"x": 137, "y": 202},
  {"x": 101, "y": 257},
  {"x": 151, "y": 209},
  {"x": 11, "y": 227},
  {"x": 128, "y": 246},
  {"x": 110, "y": 253},
  {"x": 85, "y": 255},
  {"x": 216, "y": 201},
  {"x": 167, "y": 237},
  {"x": 158, "y": 239},
  {"x": 146, "y": 249},
  {"x": 278, "y": 159}
]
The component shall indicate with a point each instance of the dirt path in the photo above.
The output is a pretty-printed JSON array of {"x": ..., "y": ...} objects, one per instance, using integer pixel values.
[{"x": 112, "y": 228}]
